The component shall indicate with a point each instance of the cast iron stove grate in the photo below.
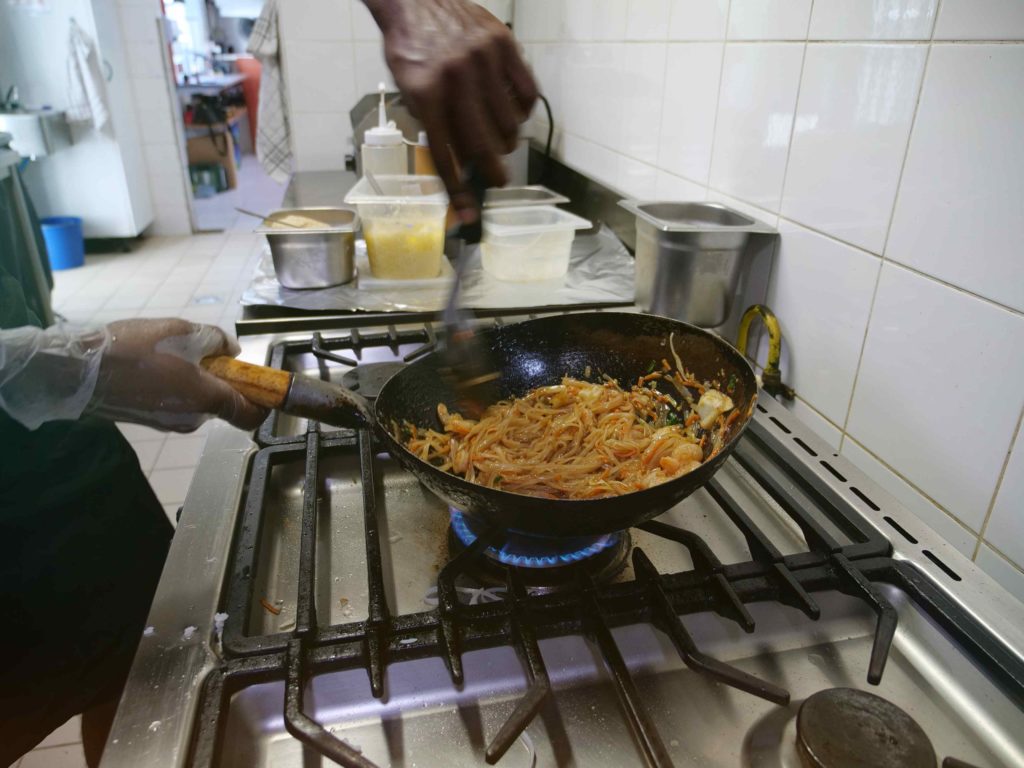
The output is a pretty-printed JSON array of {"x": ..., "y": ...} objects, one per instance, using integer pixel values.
[{"x": 522, "y": 618}]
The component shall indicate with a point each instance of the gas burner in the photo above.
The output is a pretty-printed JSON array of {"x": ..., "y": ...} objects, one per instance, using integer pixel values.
[
  {"x": 847, "y": 728},
  {"x": 368, "y": 378},
  {"x": 543, "y": 562}
]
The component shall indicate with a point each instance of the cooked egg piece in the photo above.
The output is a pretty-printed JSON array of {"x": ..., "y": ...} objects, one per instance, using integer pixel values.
[{"x": 711, "y": 405}]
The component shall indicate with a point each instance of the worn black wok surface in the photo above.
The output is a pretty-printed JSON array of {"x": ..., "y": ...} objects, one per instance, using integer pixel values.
[{"x": 538, "y": 353}]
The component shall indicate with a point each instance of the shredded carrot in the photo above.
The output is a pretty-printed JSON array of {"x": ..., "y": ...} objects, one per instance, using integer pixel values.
[
  {"x": 692, "y": 419},
  {"x": 269, "y": 606},
  {"x": 651, "y": 376},
  {"x": 732, "y": 417}
]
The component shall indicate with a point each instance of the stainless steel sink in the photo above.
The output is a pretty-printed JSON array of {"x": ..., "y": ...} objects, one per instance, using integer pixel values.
[{"x": 36, "y": 133}]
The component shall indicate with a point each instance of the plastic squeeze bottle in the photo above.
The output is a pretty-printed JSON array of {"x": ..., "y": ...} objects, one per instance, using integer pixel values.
[{"x": 383, "y": 150}]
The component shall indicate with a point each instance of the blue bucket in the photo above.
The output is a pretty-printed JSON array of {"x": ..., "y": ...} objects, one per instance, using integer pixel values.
[{"x": 64, "y": 242}]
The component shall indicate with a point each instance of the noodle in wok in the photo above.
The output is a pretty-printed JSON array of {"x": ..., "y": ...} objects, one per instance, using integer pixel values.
[{"x": 580, "y": 440}]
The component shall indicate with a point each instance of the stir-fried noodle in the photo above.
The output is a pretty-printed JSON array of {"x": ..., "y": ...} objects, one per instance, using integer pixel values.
[{"x": 582, "y": 440}]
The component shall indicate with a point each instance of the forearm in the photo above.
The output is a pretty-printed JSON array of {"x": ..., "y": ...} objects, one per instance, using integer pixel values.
[
  {"x": 144, "y": 371},
  {"x": 49, "y": 374}
]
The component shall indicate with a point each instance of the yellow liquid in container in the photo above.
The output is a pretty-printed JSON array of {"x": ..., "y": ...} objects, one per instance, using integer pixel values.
[{"x": 404, "y": 250}]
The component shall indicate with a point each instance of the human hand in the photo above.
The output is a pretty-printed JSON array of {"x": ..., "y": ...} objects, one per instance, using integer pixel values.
[
  {"x": 150, "y": 375},
  {"x": 461, "y": 74}
]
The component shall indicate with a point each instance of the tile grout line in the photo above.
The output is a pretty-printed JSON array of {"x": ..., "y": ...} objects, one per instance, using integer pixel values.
[
  {"x": 718, "y": 103},
  {"x": 910, "y": 484},
  {"x": 885, "y": 243},
  {"x": 860, "y": 356},
  {"x": 1002, "y": 556},
  {"x": 999, "y": 484},
  {"x": 796, "y": 111},
  {"x": 809, "y": 227},
  {"x": 906, "y": 152},
  {"x": 872, "y": 254}
]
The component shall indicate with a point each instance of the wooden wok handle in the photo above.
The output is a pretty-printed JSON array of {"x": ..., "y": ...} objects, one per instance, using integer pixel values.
[
  {"x": 264, "y": 386},
  {"x": 302, "y": 396}
]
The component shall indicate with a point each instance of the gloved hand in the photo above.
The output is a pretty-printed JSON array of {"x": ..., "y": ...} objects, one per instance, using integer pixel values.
[
  {"x": 461, "y": 73},
  {"x": 143, "y": 371}
]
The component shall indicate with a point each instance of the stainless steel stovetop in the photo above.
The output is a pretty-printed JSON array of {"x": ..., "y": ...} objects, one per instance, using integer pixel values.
[{"x": 327, "y": 558}]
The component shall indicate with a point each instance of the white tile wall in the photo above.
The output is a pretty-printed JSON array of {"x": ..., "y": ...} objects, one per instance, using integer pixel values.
[
  {"x": 697, "y": 19},
  {"x": 138, "y": 22},
  {"x": 872, "y": 19},
  {"x": 934, "y": 354},
  {"x": 769, "y": 19},
  {"x": 539, "y": 20},
  {"x": 363, "y": 25},
  {"x": 871, "y": 147},
  {"x": 595, "y": 19},
  {"x": 153, "y": 110},
  {"x": 849, "y": 137},
  {"x": 1002, "y": 570},
  {"x": 646, "y": 19},
  {"x": 371, "y": 69},
  {"x": 755, "y": 118},
  {"x": 671, "y": 187},
  {"x": 316, "y": 20},
  {"x": 688, "y": 109},
  {"x": 320, "y": 140},
  {"x": 320, "y": 76},
  {"x": 823, "y": 291},
  {"x": 944, "y": 524},
  {"x": 1005, "y": 528},
  {"x": 959, "y": 216},
  {"x": 980, "y": 20}
]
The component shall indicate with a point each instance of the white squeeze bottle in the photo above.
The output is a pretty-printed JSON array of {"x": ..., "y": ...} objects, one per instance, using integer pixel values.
[{"x": 384, "y": 150}]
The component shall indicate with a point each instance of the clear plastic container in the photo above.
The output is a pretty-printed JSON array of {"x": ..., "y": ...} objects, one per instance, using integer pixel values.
[
  {"x": 530, "y": 243},
  {"x": 403, "y": 225}
]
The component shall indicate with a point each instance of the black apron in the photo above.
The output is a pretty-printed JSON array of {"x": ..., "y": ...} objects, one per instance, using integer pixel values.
[{"x": 82, "y": 543}]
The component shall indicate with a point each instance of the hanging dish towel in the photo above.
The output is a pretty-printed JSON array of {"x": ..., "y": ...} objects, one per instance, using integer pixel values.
[
  {"x": 86, "y": 93},
  {"x": 273, "y": 136}
]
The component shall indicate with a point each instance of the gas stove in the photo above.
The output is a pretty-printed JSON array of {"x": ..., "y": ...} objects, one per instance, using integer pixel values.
[{"x": 320, "y": 605}]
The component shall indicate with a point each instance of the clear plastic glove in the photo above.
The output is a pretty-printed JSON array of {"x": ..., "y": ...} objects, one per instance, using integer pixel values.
[
  {"x": 461, "y": 73},
  {"x": 142, "y": 371}
]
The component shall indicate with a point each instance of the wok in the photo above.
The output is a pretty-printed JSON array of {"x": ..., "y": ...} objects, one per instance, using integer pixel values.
[{"x": 528, "y": 355}]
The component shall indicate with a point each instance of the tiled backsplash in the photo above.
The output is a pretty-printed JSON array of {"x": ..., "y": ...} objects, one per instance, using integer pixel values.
[{"x": 883, "y": 137}]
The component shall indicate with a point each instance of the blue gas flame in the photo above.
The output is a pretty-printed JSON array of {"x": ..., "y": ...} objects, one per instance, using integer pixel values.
[{"x": 534, "y": 551}]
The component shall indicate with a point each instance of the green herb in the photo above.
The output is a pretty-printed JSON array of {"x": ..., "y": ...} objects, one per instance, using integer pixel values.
[
  {"x": 651, "y": 366},
  {"x": 499, "y": 479},
  {"x": 731, "y": 386},
  {"x": 673, "y": 418}
]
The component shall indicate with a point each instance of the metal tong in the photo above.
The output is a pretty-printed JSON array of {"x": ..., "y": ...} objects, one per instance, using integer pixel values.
[{"x": 470, "y": 367}]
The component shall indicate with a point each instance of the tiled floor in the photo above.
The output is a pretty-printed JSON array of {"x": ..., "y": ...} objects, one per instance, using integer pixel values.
[{"x": 199, "y": 278}]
